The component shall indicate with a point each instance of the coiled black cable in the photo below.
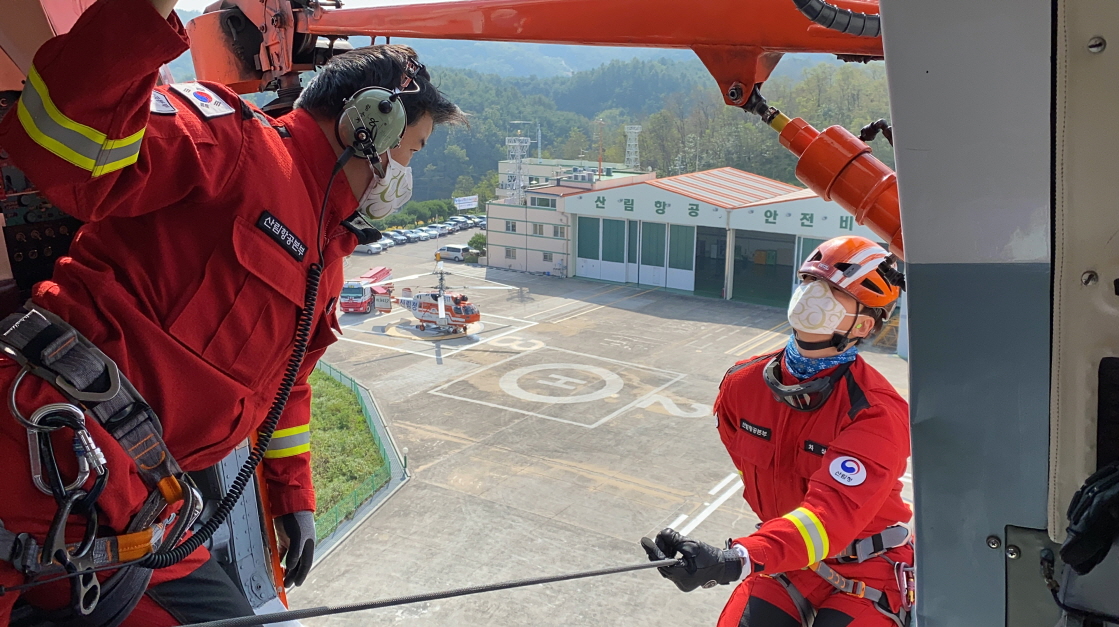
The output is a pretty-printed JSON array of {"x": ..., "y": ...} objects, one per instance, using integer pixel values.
[
  {"x": 842, "y": 20},
  {"x": 279, "y": 402}
]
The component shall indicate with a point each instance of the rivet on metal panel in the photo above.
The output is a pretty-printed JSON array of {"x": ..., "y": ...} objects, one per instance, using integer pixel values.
[
  {"x": 1089, "y": 278},
  {"x": 1097, "y": 44},
  {"x": 994, "y": 542},
  {"x": 1013, "y": 552}
]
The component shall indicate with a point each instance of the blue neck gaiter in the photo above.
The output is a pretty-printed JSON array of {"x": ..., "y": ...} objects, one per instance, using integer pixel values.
[{"x": 803, "y": 367}]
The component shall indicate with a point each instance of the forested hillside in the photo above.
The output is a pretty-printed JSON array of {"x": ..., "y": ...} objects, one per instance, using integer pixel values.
[{"x": 686, "y": 126}]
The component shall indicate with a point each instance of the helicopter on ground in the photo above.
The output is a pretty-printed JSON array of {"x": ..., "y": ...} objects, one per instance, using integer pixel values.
[{"x": 437, "y": 308}]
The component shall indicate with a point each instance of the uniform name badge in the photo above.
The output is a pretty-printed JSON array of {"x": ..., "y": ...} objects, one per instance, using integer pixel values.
[
  {"x": 209, "y": 104},
  {"x": 162, "y": 104}
]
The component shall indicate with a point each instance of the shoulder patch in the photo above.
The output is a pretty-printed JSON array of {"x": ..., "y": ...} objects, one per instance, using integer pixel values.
[
  {"x": 162, "y": 104},
  {"x": 209, "y": 104},
  {"x": 848, "y": 471}
]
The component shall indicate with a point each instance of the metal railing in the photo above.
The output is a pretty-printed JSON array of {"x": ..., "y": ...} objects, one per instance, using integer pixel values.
[{"x": 326, "y": 522}]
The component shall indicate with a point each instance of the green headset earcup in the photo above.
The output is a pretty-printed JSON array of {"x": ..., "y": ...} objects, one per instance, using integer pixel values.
[{"x": 372, "y": 121}]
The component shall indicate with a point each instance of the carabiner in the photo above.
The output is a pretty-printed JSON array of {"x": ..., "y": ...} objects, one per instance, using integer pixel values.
[{"x": 37, "y": 432}]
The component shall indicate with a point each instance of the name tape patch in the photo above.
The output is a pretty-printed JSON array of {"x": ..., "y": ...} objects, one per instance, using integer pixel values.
[
  {"x": 209, "y": 104},
  {"x": 848, "y": 471},
  {"x": 815, "y": 448},
  {"x": 282, "y": 235},
  {"x": 753, "y": 429},
  {"x": 162, "y": 104}
]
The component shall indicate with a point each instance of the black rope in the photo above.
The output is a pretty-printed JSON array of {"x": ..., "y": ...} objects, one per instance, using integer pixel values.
[{"x": 328, "y": 610}]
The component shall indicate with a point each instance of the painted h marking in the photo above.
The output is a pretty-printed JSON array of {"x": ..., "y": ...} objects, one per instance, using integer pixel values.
[{"x": 560, "y": 381}]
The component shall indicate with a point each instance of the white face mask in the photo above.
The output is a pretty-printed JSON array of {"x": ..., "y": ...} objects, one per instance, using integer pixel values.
[
  {"x": 386, "y": 196},
  {"x": 814, "y": 309}
]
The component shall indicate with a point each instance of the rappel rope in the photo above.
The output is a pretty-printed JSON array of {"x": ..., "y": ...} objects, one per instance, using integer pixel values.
[{"x": 328, "y": 610}]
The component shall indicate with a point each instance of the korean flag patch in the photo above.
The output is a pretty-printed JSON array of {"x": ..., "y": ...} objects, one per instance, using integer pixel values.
[{"x": 208, "y": 103}]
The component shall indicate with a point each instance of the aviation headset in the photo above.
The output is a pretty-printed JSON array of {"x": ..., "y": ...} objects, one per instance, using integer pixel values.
[{"x": 372, "y": 122}]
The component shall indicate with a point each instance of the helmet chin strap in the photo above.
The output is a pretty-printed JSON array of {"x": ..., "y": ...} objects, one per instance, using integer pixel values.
[{"x": 839, "y": 342}]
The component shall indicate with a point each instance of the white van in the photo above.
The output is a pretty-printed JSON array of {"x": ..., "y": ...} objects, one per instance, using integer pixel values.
[{"x": 454, "y": 252}]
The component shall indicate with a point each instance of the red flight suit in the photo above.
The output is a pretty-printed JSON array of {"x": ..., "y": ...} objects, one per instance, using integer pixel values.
[
  {"x": 192, "y": 266},
  {"x": 786, "y": 457}
]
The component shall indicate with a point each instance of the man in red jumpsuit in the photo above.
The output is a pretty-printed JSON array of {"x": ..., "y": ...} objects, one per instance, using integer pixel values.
[
  {"x": 821, "y": 440},
  {"x": 202, "y": 220}
]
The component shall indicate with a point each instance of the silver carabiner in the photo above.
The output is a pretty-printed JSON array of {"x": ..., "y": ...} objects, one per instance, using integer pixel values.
[{"x": 33, "y": 432}]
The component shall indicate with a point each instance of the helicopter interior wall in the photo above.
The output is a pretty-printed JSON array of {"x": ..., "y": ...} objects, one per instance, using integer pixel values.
[{"x": 975, "y": 192}]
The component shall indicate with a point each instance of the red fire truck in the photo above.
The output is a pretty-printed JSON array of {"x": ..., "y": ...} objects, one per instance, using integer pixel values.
[{"x": 357, "y": 296}]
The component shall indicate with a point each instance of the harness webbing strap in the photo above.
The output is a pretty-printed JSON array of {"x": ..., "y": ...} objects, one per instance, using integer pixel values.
[
  {"x": 804, "y": 608},
  {"x": 50, "y": 348},
  {"x": 877, "y": 544}
]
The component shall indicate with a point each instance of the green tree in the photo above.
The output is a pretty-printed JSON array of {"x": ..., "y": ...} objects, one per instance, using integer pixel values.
[{"x": 478, "y": 241}]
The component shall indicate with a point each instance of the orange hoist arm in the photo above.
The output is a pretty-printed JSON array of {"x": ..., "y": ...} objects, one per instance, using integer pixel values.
[{"x": 740, "y": 41}]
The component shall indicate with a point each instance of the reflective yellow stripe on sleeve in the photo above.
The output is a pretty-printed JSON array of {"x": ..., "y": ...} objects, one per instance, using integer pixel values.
[
  {"x": 289, "y": 442},
  {"x": 76, "y": 143},
  {"x": 812, "y": 531}
]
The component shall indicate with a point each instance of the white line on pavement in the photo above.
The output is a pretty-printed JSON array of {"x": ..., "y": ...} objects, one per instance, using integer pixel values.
[
  {"x": 722, "y": 484},
  {"x": 679, "y": 519},
  {"x": 735, "y": 487}
]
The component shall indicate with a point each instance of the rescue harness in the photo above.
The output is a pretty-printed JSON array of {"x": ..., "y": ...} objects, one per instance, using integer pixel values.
[
  {"x": 48, "y": 347},
  {"x": 858, "y": 552}
]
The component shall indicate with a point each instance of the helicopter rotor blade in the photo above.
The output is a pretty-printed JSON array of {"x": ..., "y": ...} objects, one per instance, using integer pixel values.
[{"x": 442, "y": 310}]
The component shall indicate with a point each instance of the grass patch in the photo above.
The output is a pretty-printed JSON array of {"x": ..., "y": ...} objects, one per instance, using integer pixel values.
[{"x": 343, "y": 451}]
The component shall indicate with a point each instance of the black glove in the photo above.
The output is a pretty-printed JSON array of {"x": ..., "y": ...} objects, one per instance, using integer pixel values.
[
  {"x": 1093, "y": 520},
  {"x": 704, "y": 565},
  {"x": 300, "y": 529}
]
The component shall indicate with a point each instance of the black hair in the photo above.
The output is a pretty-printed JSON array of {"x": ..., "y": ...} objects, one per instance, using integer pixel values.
[{"x": 376, "y": 66}]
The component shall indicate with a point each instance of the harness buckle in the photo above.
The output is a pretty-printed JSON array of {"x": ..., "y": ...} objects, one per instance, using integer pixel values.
[{"x": 858, "y": 588}]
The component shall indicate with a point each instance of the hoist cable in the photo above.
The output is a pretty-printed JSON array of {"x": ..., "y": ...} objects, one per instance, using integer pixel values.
[{"x": 328, "y": 610}]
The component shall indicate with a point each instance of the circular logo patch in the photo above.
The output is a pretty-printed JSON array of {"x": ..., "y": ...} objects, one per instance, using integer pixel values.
[
  {"x": 848, "y": 471},
  {"x": 203, "y": 96}
]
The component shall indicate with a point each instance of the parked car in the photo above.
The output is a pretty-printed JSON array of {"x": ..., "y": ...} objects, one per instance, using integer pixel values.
[
  {"x": 452, "y": 227},
  {"x": 386, "y": 242},
  {"x": 462, "y": 221},
  {"x": 397, "y": 236},
  {"x": 476, "y": 220},
  {"x": 369, "y": 249},
  {"x": 482, "y": 224},
  {"x": 455, "y": 252},
  {"x": 420, "y": 235},
  {"x": 438, "y": 229}
]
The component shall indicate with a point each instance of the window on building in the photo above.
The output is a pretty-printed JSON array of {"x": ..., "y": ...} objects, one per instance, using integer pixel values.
[
  {"x": 538, "y": 229},
  {"x": 510, "y": 253},
  {"x": 510, "y": 226},
  {"x": 547, "y": 257},
  {"x": 559, "y": 231},
  {"x": 545, "y": 203}
]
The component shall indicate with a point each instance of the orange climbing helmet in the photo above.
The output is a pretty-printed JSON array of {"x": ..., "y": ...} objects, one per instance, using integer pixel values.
[{"x": 859, "y": 267}]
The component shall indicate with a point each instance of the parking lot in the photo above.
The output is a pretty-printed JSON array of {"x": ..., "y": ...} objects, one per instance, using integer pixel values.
[{"x": 575, "y": 422}]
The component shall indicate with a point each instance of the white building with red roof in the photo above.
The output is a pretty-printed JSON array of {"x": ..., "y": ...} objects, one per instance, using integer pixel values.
[{"x": 672, "y": 232}]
